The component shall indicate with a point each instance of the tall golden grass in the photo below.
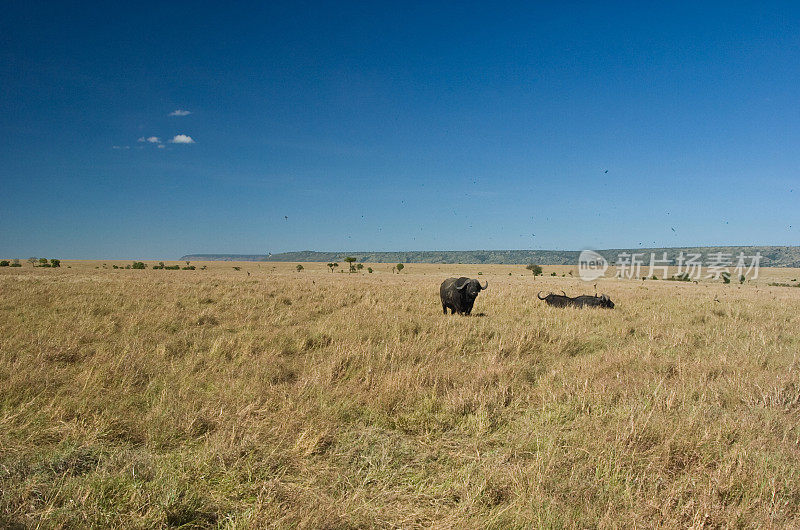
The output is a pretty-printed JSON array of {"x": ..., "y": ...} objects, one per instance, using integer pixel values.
[{"x": 313, "y": 399}]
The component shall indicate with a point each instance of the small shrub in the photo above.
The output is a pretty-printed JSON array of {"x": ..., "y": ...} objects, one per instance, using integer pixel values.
[
  {"x": 16, "y": 263},
  {"x": 172, "y": 267},
  {"x": 552, "y": 274},
  {"x": 369, "y": 270},
  {"x": 5, "y": 263},
  {"x": 683, "y": 277},
  {"x": 742, "y": 279},
  {"x": 115, "y": 267},
  {"x": 188, "y": 268},
  {"x": 138, "y": 265},
  {"x": 55, "y": 262},
  {"x": 480, "y": 274},
  {"x": 654, "y": 277},
  {"x": 299, "y": 267},
  {"x": 399, "y": 267},
  {"x": 237, "y": 268},
  {"x": 359, "y": 266},
  {"x": 42, "y": 261},
  {"x": 726, "y": 277},
  {"x": 203, "y": 268}
]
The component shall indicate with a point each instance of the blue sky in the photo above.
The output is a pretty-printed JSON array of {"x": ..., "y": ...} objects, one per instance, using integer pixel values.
[{"x": 403, "y": 126}]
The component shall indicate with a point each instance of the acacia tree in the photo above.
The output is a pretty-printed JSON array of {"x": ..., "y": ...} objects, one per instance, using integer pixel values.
[
  {"x": 350, "y": 260},
  {"x": 535, "y": 269},
  {"x": 399, "y": 267}
]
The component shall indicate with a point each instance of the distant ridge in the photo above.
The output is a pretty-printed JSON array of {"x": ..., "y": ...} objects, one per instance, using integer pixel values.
[{"x": 771, "y": 256}]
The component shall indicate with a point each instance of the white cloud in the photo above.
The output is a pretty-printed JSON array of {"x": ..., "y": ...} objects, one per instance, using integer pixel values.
[
  {"x": 179, "y": 112},
  {"x": 141, "y": 139},
  {"x": 182, "y": 139},
  {"x": 120, "y": 147},
  {"x": 154, "y": 140},
  {"x": 161, "y": 146}
]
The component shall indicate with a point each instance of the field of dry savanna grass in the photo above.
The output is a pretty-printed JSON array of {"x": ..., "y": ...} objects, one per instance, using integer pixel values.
[{"x": 155, "y": 398}]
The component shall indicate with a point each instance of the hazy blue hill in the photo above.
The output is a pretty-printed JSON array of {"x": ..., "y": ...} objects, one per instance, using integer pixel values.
[{"x": 771, "y": 256}]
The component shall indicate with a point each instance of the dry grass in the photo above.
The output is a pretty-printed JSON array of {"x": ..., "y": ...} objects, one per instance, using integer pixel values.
[{"x": 149, "y": 398}]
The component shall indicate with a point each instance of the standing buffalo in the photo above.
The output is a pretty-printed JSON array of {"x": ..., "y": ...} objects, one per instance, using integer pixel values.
[
  {"x": 459, "y": 294},
  {"x": 562, "y": 300}
]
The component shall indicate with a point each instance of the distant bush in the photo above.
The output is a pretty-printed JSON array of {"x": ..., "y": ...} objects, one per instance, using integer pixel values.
[
  {"x": 115, "y": 267},
  {"x": 655, "y": 277},
  {"x": 16, "y": 263},
  {"x": 235, "y": 268},
  {"x": 726, "y": 277},
  {"x": 173, "y": 267},
  {"x": 359, "y": 266},
  {"x": 203, "y": 268},
  {"x": 552, "y": 274},
  {"x": 42, "y": 261},
  {"x": 188, "y": 268},
  {"x": 369, "y": 270},
  {"x": 55, "y": 262},
  {"x": 480, "y": 274},
  {"x": 159, "y": 266},
  {"x": 138, "y": 265},
  {"x": 399, "y": 267},
  {"x": 299, "y": 267},
  {"x": 742, "y": 279},
  {"x": 5, "y": 263}
]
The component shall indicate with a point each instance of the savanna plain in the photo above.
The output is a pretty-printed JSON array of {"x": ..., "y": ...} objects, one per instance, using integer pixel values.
[{"x": 271, "y": 397}]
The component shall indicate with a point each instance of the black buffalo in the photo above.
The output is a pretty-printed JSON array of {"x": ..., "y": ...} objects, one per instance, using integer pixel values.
[
  {"x": 562, "y": 300},
  {"x": 459, "y": 294}
]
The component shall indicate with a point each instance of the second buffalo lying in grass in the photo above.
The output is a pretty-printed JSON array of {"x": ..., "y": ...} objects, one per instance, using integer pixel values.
[{"x": 562, "y": 300}]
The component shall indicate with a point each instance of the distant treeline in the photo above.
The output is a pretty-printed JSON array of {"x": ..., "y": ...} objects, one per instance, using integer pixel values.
[{"x": 770, "y": 256}]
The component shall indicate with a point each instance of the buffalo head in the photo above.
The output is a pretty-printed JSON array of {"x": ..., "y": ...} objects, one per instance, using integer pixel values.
[{"x": 471, "y": 287}]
